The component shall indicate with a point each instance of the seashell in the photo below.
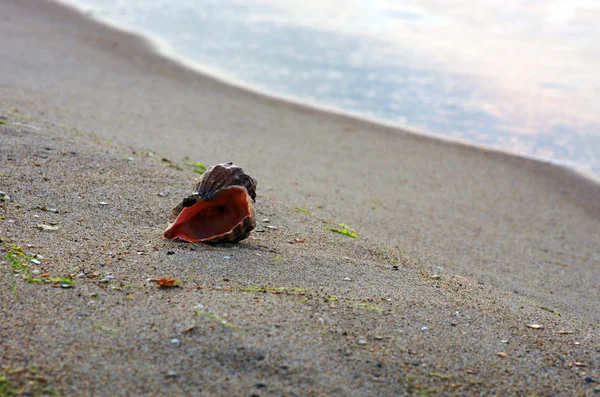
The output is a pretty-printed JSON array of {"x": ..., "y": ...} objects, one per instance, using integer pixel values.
[{"x": 221, "y": 210}]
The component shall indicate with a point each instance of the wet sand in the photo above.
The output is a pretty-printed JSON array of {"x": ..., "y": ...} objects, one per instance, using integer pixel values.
[{"x": 504, "y": 241}]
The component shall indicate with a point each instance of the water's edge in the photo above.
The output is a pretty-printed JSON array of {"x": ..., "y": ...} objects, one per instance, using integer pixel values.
[{"x": 162, "y": 48}]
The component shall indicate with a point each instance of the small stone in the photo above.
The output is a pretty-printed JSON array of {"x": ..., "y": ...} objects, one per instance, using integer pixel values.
[
  {"x": 175, "y": 342},
  {"x": 35, "y": 272},
  {"x": 259, "y": 230},
  {"x": 504, "y": 341},
  {"x": 260, "y": 385},
  {"x": 347, "y": 279},
  {"x": 130, "y": 159},
  {"x": 424, "y": 329},
  {"x": 65, "y": 285},
  {"x": 435, "y": 277},
  {"x": 2, "y": 193},
  {"x": 36, "y": 261},
  {"x": 150, "y": 154},
  {"x": 164, "y": 193},
  {"x": 11, "y": 221},
  {"x": 170, "y": 252},
  {"x": 102, "y": 203},
  {"x": 362, "y": 342},
  {"x": 36, "y": 216},
  {"x": 589, "y": 379},
  {"x": 227, "y": 257},
  {"x": 271, "y": 227},
  {"x": 266, "y": 220},
  {"x": 502, "y": 354},
  {"x": 199, "y": 306},
  {"x": 171, "y": 374}
]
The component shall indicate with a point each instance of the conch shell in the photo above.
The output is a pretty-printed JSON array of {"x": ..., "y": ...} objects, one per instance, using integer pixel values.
[{"x": 221, "y": 210}]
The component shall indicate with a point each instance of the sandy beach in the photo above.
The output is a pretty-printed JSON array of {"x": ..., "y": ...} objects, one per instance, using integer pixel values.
[{"x": 462, "y": 252}]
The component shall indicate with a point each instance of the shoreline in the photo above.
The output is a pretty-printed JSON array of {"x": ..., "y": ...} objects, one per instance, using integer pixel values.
[{"x": 163, "y": 49}]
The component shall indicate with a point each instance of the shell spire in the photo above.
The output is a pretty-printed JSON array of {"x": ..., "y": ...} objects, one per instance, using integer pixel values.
[{"x": 221, "y": 209}]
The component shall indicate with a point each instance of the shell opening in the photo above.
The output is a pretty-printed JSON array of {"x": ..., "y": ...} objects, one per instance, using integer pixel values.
[{"x": 210, "y": 219}]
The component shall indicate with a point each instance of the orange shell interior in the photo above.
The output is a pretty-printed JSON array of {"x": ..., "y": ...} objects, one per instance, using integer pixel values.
[{"x": 212, "y": 219}]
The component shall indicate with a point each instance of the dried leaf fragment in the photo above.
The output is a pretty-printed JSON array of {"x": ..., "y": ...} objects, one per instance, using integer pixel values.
[
  {"x": 167, "y": 282},
  {"x": 189, "y": 329},
  {"x": 565, "y": 332},
  {"x": 579, "y": 364},
  {"x": 534, "y": 326},
  {"x": 502, "y": 354},
  {"x": 300, "y": 240}
]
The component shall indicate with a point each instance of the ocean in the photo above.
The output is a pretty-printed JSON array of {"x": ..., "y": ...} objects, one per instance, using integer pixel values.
[{"x": 516, "y": 75}]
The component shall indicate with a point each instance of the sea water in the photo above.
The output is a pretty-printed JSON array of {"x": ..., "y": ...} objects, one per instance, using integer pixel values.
[{"x": 517, "y": 75}]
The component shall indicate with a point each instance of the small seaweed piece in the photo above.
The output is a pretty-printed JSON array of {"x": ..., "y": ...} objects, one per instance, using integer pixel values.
[
  {"x": 273, "y": 290},
  {"x": 199, "y": 168},
  {"x": 19, "y": 264},
  {"x": 303, "y": 210},
  {"x": 365, "y": 306},
  {"x": 550, "y": 310},
  {"x": 66, "y": 281},
  {"x": 439, "y": 376},
  {"x": 218, "y": 319},
  {"x": 343, "y": 229},
  {"x": 171, "y": 164},
  {"x": 426, "y": 392}
]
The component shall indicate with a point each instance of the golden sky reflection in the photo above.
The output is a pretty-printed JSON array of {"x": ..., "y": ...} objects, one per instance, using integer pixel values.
[{"x": 538, "y": 61}]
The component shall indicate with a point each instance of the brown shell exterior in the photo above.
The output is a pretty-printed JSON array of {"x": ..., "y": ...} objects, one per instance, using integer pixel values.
[
  {"x": 215, "y": 179},
  {"x": 224, "y": 175}
]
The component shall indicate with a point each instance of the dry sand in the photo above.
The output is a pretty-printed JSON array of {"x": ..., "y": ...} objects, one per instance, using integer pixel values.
[{"x": 471, "y": 244}]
